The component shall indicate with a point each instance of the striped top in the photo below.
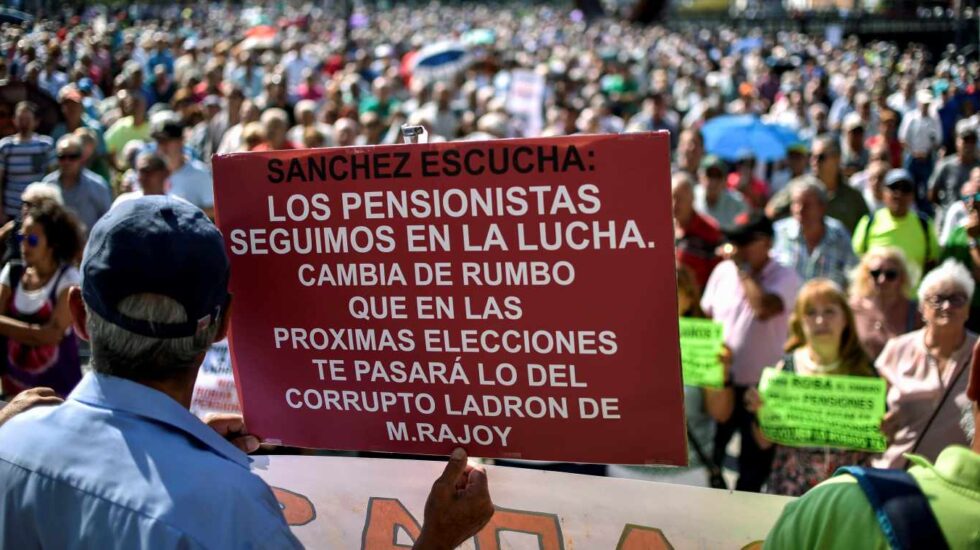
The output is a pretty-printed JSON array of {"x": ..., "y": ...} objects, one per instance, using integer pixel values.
[{"x": 23, "y": 162}]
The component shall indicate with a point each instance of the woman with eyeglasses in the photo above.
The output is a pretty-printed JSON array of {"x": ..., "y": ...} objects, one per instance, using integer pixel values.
[
  {"x": 822, "y": 342},
  {"x": 927, "y": 370},
  {"x": 40, "y": 347},
  {"x": 879, "y": 296}
]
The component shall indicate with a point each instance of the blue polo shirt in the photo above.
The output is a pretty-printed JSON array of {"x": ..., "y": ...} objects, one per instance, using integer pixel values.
[{"x": 121, "y": 465}]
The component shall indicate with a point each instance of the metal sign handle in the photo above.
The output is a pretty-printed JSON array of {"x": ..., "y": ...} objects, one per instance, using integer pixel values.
[{"x": 415, "y": 134}]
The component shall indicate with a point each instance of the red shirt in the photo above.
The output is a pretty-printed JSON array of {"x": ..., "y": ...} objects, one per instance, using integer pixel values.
[
  {"x": 755, "y": 195},
  {"x": 696, "y": 249},
  {"x": 894, "y": 149}
]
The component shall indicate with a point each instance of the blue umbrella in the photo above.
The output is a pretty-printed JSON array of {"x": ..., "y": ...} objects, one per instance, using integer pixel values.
[{"x": 729, "y": 136}]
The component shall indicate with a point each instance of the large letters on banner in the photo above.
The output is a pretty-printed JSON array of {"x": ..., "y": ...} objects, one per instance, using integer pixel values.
[
  {"x": 515, "y": 297},
  {"x": 377, "y": 504}
]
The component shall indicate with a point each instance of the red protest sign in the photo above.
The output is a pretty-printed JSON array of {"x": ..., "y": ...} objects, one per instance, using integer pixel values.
[{"x": 514, "y": 297}]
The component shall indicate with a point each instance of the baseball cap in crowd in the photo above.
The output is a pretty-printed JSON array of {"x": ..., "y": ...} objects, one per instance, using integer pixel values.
[
  {"x": 798, "y": 148},
  {"x": 156, "y": 245},
  {"x": 166, "y": 127},
  {"x": 924, "y": 96},
  {"x": 69, "y": 93},
  {"x": 85, "y": 84},
  {"x": 748, "y": 227},
  {"x": 852, "y": 122},
  {"x": 713, "y": 162},
  {"x": 899, "y": 179}
]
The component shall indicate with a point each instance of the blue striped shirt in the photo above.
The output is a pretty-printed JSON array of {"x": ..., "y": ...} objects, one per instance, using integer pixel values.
[{"x": 23, "y": 162}]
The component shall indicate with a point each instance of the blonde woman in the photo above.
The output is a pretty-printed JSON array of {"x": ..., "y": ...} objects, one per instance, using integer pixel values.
[
  {"x": 822, "y": 341},
  {"x": 880, "y": 289}
]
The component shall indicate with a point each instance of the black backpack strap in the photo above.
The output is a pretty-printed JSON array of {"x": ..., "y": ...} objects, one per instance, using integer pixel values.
[
  {"x": 53, "y": 295},
  {"x": 913, "y": 315},
  {"x": 924, "y": 223},
  {"x": 902, "y": 511},
  {"x": 867, "y": 229}
]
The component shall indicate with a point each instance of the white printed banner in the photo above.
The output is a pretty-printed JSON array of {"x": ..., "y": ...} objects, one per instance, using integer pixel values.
[{"x": 376, "y": 504}]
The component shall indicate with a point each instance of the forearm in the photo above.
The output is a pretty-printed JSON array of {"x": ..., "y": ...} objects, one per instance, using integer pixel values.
[
  {"x": 764, "y": 305},
  {"x": 760, "y": 439},
  {"x": 719, "y": 403},
  {"x": 34, "y": 335}
]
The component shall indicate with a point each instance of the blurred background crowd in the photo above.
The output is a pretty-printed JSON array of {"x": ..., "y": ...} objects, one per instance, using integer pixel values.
[{"x": 826, "y": 189}]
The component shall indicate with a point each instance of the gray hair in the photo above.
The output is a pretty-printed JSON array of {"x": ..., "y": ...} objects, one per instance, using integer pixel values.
[
  {"x": 681, "y": 179},
  {"x": 949, "y": 271},
  {"x": 40, "y": 190},
  {"x": 119, "y": 352},
  {"x": 808, "y": 184},
  {"x": 968, "y": 420},
  {"x": 274, "y": 115},
  {"x": 830, "y": 144}
]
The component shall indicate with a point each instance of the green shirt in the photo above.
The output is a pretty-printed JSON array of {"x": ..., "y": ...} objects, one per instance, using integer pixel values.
[
  {"x": 122, "y": 132},
  {"x": 836, "y": 513},
  {"x": 904, "y": 233},
  {"x": 958, "y": 248}
]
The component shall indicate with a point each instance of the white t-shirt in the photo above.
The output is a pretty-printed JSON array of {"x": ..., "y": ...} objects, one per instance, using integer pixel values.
[
  {"x": 31, "y": 301},
  {"x": 192, "y": 182}
]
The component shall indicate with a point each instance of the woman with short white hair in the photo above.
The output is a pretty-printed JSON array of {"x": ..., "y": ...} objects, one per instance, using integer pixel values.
[{"x": 927, "y": 370}]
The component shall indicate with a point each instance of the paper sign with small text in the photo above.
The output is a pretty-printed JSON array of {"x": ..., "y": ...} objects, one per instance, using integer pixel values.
[{"x": 822, "y": 411}]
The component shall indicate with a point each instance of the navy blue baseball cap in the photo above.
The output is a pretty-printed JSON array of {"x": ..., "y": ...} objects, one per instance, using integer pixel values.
[{"x": 156, "y": 245}]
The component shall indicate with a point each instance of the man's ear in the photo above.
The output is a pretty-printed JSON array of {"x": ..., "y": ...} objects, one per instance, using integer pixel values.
[
  {"x": 225, "y": 322},
  {"x": 78, "y": 314}
]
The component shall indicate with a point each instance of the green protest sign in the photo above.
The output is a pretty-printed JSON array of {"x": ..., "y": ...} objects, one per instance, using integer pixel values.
[
  {"x": 701, "y": 341},
  {"x": 822, "y": 411}
]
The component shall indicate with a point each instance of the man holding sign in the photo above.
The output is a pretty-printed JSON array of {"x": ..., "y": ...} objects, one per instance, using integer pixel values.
[{"x": 122, "y": 463}]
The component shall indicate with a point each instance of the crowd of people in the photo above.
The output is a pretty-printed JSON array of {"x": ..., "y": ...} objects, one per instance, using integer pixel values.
[{"x": 855, "y": 251}]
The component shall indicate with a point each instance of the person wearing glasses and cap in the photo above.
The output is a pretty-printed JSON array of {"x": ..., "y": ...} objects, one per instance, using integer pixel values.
[
  {"x": 85, "y": 193},
  {"x": 899, "y": 225},
  {"x": 122, "y": 463}
]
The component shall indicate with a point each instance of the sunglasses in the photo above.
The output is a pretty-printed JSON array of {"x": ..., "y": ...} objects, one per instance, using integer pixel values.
[
  {"x": 956, "y": 300},
  {"x": 69, "y": 156},
  {"x": 889, "y": 274},
  {"x": 975, "y": 197},
  {"x": 820, "y": 158},
  {"x": 32, "y": 240}
]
